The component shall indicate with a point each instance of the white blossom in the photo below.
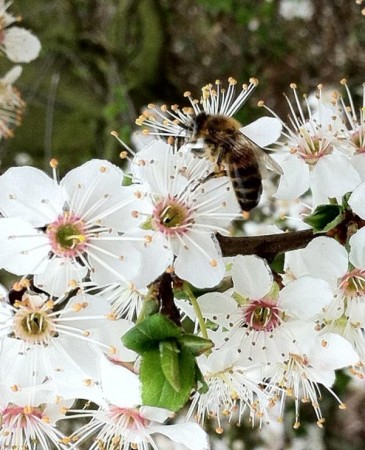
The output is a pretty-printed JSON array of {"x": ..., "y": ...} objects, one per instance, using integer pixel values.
[
  {"x": 58, "y": 349},
  {"x": 62, "y": 232},
  {"x": 181, "y": 216},
  {"x": 121, "y": 422},
  {"x": 313, "y": 155},
  {"x": 11, "y": 104},
  {"x": 18, "y": 44}
]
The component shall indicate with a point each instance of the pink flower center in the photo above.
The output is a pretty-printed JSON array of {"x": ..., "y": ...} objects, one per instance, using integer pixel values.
[
  {"x": 313, "y": 148},
  {"x": 353, "y": 283},
  {"x": 33, "y": 324},
  {"x": 19, "y": 416},
  {"x": 67, "y": 235},
  {"x": 262, "y": 315},
  {"x": 171, "y": 216},
  {"x": 358, "y": 140},
  {"x": 132, "y": 418}
]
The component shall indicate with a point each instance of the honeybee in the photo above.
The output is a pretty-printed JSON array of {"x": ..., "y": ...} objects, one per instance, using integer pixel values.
[{"x": 228, "y": 147}]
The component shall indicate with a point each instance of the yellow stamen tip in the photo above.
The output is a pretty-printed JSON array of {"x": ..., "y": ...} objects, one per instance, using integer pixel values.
[{"x": 53, "y": 163}]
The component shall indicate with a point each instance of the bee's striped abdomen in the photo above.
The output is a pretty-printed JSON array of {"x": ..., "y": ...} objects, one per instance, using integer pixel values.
[{"x": 247, "y": 184}]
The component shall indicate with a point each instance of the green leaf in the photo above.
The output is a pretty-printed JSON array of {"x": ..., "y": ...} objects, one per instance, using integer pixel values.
[
  {"x": 147, "y": 334},
  {"x": 156, "y": 389},
  {"x": 325, "y": 217},
  {"x": 169, "y": 354},
  {"x": 195, "y": 344},
  {"x": 277, "y": 265}
]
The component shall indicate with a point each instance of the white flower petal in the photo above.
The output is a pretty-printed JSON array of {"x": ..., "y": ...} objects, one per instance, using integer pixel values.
[
  {"x": 219, "y": 359},
  {"x": 21, "y": 46},
  {"x": 263, "y": 347},
  {"x": 263, "y": 131},
  {"x": 303, "y": 335},
  {"x": 252, "y": 277},
  {"x": 93, "y": 313},
  {"x": 55, "y": 412},
  {"x": 121, "y": 386},
  {"x": 332, "y": 177},
  {"x": 155, "y": 414},
  {"x": 73, "y": 367},
  {"x": 216, "y": 204},
  {"x": 59, "y": 276},
  {"x": 112, "y": 260},
  {"x": 30, "y": 194},
  {"x": 23, "y": 249},
  {"x": 199, "y": 260},
  {"x": 356, "y": 201},
  {"x": 331, "y": 352},
  {"x": 218, "y": 307},
  {"x": 305, "y": 297},
  {"x": 13, "y": 74},
  {"x": 323, "y": 258},
  {"x": 357, "y": 252},
  {"x": 156, "y": 256},
  {"x": 358, "y": 162},
  {"x": 157, "y": 166},
  {"x": 4, "y": 310},
  {"x": 189, "y": 434},
  {"x": 96, "y": 193},
  {"x": 295, "y": 181}
]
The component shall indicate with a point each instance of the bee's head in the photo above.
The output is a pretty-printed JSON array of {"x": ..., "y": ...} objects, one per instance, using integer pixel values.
[{"x": 197, "y": 125}]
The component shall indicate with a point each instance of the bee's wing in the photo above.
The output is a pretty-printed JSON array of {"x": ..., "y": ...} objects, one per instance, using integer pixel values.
[
  {"x": 267, "y": 162},
  {"x": 264, "y": 159}
]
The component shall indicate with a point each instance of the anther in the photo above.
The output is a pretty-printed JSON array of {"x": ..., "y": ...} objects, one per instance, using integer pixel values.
[{"x": 53, "y": 163}]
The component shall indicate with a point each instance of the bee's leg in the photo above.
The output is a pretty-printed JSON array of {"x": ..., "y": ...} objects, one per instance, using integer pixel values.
[
  {"x": 220, "y": 169},
  {"x": 219, "y": 173}
]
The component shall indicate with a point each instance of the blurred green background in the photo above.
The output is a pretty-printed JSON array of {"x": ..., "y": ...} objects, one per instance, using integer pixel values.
[{"x": 102, "y": 61}]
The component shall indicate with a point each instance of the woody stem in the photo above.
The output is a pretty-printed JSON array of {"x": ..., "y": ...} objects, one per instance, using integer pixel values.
[{"x": 266, "y": 246}]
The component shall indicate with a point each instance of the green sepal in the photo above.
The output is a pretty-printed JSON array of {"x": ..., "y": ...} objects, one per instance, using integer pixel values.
[
  {"x": 147, "y": 225},
  {"x": 157, "y": 390},
  {"x": 147, "y": 334},
  {"x": 274, "y": 291},
  {"x": 201, "y": 385},
  {"x": 127, "y": 180},
  {"x": 325, "y": 217},
  {"x": 150, "y": 306},
  {"x": 239, "y": 298},
  {"x": 277, "y": 265},
  {"x": 169, "y": 355},
  {"x": 195, "y": 344}
]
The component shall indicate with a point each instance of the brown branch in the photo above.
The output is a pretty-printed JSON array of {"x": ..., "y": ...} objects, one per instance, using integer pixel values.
[{"x": 266, "y": 246}]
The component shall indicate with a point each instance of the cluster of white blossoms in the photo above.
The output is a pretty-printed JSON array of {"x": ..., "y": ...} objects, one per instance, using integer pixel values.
[
  {"x": 93, "y": 250},
  {"x": 19, "y": 46}
]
